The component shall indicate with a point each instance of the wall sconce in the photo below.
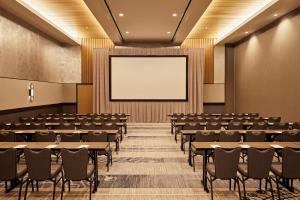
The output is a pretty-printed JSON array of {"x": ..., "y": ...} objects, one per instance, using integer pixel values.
[{"x": 30, "y": 92}]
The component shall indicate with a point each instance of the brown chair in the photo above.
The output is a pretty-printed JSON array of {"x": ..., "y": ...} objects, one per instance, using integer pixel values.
[
  {"x": 259, "y": 126},
  {"x": 202, "y": 137},
  {"x": 20, "y": 126},
  {"x": 213, "y": 126},
  {"x": 296, "y": 125},
  {"x": 40, "y": 168},
  {"x": 274, "y": 119},
  {"x": 279, "y": 126},
  {"x": 67, "y": 126},
  {"x": 289, "y": 169},
  {"x": 70, "y": 137},
  {"x": 45, "y": 136},
  {"x": 101, "y": 137},
  {"x": 224, "y": 168},
  {"x": 87, "y": 126},
  {"x": 227, "y": 136},
  {"x": 291, "y": 136},
  {"x": 235, "y": 126},
  {"x": 7, "y": 136},
  {"x": 258, "y": 167},
  {"x": 10, "y": 170},
  {"x": 76, "y": 167},
  {"x": 37, "y": 126},
  {"x": 255, "y": 136}
]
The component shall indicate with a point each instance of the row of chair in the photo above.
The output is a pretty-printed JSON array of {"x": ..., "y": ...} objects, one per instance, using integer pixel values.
[
  {"x": 216, "y": 114},
  {"x": 38, "y": 167},
  {"x": 82, "y": 115},
  {"x": 259, "y": 164},
  {"x": 66, "y": 126}
]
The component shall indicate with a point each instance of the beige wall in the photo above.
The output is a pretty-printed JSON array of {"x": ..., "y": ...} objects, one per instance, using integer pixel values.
[
  {"x": 267, "y": 71},
  {"x": 14, "y": 93},
  {"x": 25, "y": 54}
]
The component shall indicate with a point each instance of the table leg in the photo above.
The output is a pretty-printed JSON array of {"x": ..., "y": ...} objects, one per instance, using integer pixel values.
[
  {"x": 96, "y": 171},
  {"x": 204, "y": 178},
  {"x": 190, "y": 151},
  {"x": 172, "y": 126}
]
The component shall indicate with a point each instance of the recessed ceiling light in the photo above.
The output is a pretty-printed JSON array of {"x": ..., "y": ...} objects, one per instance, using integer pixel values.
[
  {"x": 174, "y": 14},
  {"x": 168, "y": 32},
  {"x": 121, "y": 14},
  {"x": 246, "y": 32},
  {"x": 127, "y": 32},
  {"x": 275, "y": 14}
]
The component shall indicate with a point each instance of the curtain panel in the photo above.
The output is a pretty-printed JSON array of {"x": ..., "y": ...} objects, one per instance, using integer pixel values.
[{"x": 148, "y": 111}]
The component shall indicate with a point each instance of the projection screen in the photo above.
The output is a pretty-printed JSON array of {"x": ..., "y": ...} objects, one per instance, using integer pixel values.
[{"x": 153, "y": 78}]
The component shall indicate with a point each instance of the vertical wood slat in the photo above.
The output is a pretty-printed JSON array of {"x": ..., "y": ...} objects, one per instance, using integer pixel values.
[
  {"x": 208, "y": 45},
  {"x": 87, "y": 48}
]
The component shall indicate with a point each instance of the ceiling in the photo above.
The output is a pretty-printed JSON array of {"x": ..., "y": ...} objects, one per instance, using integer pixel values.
[{"x": 148, "y": 21}]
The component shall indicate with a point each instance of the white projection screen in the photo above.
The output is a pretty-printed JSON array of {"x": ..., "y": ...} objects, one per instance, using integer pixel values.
[{"x": 148, "y": 78}]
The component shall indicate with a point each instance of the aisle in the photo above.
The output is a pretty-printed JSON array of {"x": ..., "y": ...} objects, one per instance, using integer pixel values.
[{"x": 150, "y": 165}]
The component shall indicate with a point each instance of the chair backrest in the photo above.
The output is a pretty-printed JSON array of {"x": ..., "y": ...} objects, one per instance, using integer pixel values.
[
  {"x": 290, "y": 163},
  {"x": 296, "y": 125},
  {"x": 256, "y": 119},
  {"x": 234, "y": 125},
  {"x": 193, "y": 126},
  {"x": 279, "y": 126},
  {"x": 226, "y": 136},
  {"x": 97, "y": 137},
  {"x": 24, "y": 119},
  {"x": 8, "y": 166},
  {"x": 70, "y": 137},
  {"x": 38, "y": 164},
  {"x": 205, "y": 137},
  {"x": 20, "y": 126},
  {"x": 259, "y": 126},
  {"x": 253, "y": 115},
  {"x": 75, "y": 164},
  {"x": 45, "y": 136},
  {"x": 67, "y": 126},
  {"x": 259, "y": 162},
  {"x": 8, "y": 136},
  {"x": 274, "y": 119},
  {"x": 255, "y": 136},
  {"x": 183, "y": 119},
  {"x": 37, "y": 126},
  {"x": 213, "y": 126},
  {"x": 108, "y": 126},
  {"x": 87, "y": 126},
  {"x": 226, "y": 162},
  {"x": 291, "y": 136}
]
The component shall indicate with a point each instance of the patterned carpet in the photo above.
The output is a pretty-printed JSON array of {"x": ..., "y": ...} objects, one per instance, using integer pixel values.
[{"x": 150, "y": 165}]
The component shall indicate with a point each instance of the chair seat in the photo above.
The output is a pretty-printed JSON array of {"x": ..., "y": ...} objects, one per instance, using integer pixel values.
[
  {"x": 21, "y": 170},
  {"x": 243, "y": 169},
  {"x": 55, "y": 169},
  {"x": 277, "y": 169},
  {"x": 90, "y": 170},
  {"x": 211, "y": 169}
]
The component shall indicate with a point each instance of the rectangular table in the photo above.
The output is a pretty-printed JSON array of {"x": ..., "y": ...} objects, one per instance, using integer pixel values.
[
  {"x": 191, "y": 133},
  {"x": 208, "y": 146},
  {"x": 93, "y": 147}
]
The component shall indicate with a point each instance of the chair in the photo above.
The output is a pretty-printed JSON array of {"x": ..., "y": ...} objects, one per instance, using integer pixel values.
[
  {"x": 235, "y": 126},
  {"x": 279, "y": 126},
  {"x": 226, "y": 136},
  {"x": 70, "y": 137},
  {"x": 259, "y": 126},
  {"x": 202, "y": 137},
  {"x": 101, "y": 137},
  {"x": 76, "y": 168},
  {"x": 25, "y": 119},
  {"x": 10, "y": 170},
  {"x": 20, "y": 126},
  {"x": 224, "y": 168},
  {"x": 253, "y": 115},
  {"x": 40, "y": 168},
  {"x": 296, "y": 125},
  {"x": 255, "y": 136},
  {"x": 213, "y": 126},
  {"x": 45, "y": 136},
  {"x": 274, "y": 119},
  {"x": 256, "y": 119},
  {"x": 67, "y": 126},
  {"x": 37, "y": 126},
  {"x": 289, "y": 169},
  {"x": 87, "y": 126},
  {"x": 7, "y": 136},
  {"x": 291, "y": 136},
  {"x": 258, "y": 167}
]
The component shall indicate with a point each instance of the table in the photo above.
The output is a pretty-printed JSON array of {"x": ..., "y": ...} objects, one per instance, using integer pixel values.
[
  {"x": 30, "y": 133},
  {"x": 207, "y": 146},
  {"x": 191, "y": 133},
  {"x": 93, "y": 147}
]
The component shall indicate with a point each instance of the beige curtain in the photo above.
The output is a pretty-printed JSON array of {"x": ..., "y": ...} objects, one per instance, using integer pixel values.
[{"x": 148, "y": 111}]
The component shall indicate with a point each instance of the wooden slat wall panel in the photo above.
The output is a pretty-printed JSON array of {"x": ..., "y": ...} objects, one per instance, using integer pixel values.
[
  {"x": 87, "y": 47},
  {"x": 208, "y": 45}
]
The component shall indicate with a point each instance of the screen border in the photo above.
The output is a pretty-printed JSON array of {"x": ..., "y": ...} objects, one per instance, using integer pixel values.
[{"x": 150, "y": 100}]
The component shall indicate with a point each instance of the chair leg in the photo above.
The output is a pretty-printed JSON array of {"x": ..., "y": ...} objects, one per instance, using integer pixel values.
[
  {"x": 194, "y": 167},
  {"x": 277, "y": 186},
  {"x": 69, "y": 184},
  {"x": 32, "y": 186},
  {"x": 54, "y": 187},
  {"x": 239, "y": 188},
  {"x": 62, "y": 188},
  {"x": 91, "y": 181},
  {"x": 37, "y": 186},
  {"x": 6, "y": 188},
  {"x": 229, "y": 184},
  {"x": 211, "y": 189},
  {"x": 26, "y": 189},
  {"x": 271, "y": 187},
  {"x": 20, "y": 189},
  {"x": 244, "y": 186}
]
